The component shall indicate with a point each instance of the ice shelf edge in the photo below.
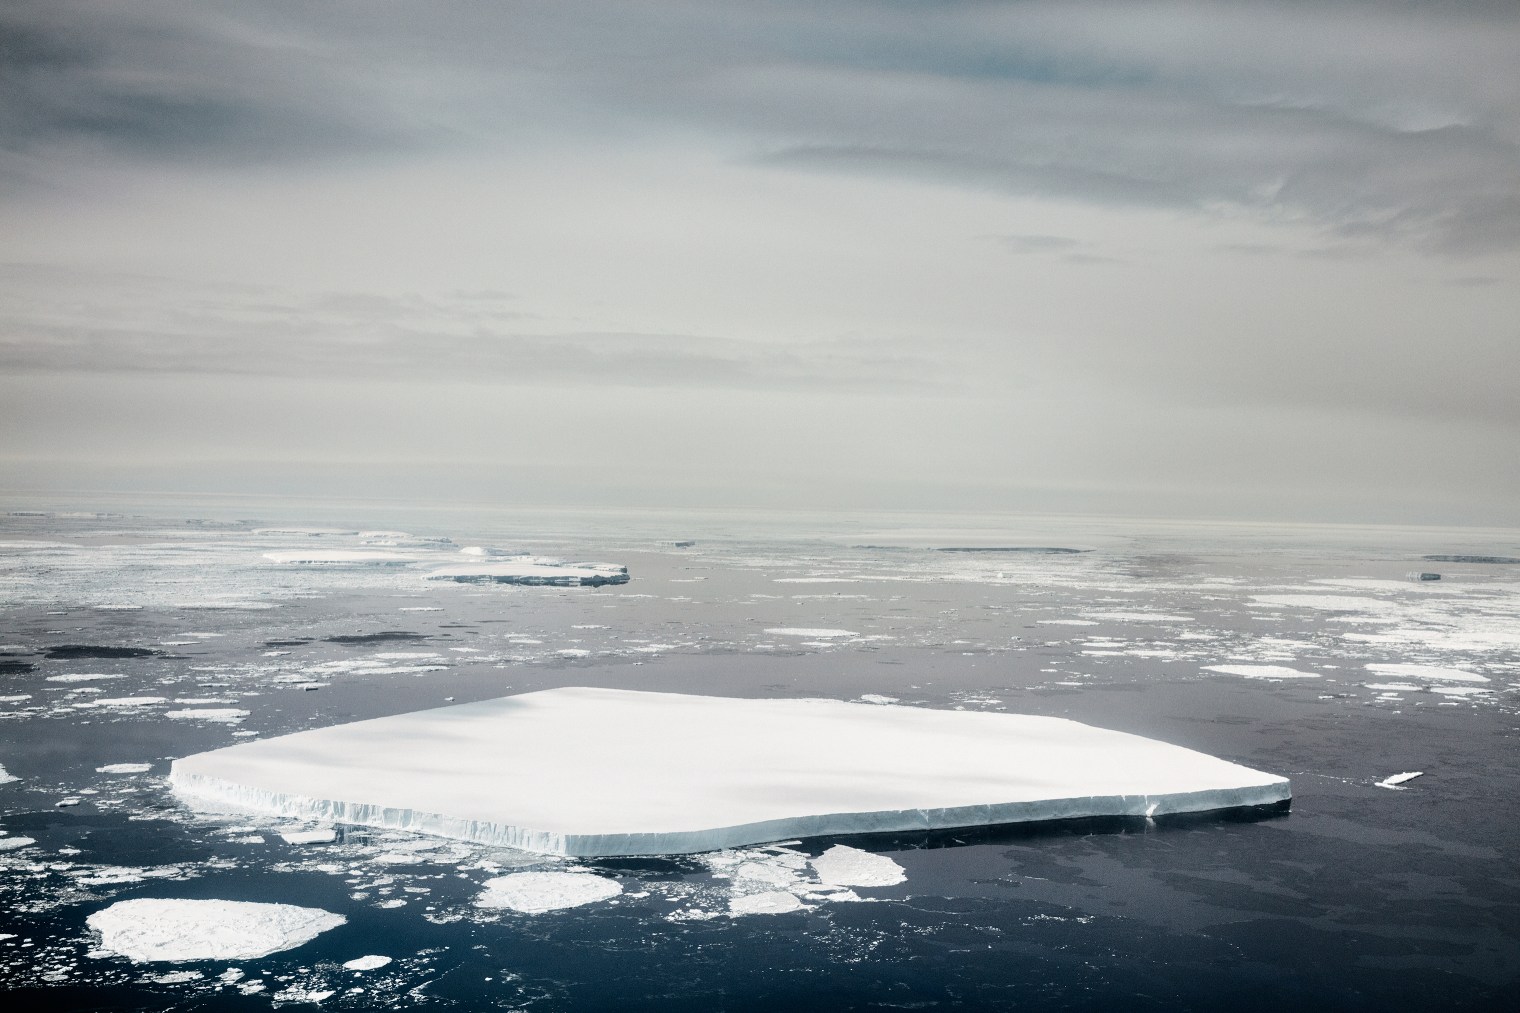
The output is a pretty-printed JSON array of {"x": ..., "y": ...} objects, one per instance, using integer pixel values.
[{"x": 693, "y": 841}]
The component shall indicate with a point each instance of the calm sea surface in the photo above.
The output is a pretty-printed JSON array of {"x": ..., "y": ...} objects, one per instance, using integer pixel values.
[{"x": 1362, "y": 897}]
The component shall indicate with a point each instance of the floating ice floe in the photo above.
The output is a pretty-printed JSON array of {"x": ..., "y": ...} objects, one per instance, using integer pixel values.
[
  {"x": 83, "y": 677},
  {"x": 799, "y": 631},
  {"x": 124, "y": 768},
  {"x": 370, "y": 963},
  {"x": 224, "y": 714},
  {"x": 641, "y": 776},
  {"x": 6, "y": 777},
  {"x": 341, "y": 557},
  {"x": 149, "y": 929},
  {"x": 1260, "y": 671},
  {"x": 1428, "y": 672},
  {"x": 536, "y": 892},
  {"x": 324, "y": 836},
  {"x": 15, "y": 843},
  {"x": 1394, "y": 780},
  {"x": 845, "y": 866},
  {"x": 534, "y": 571}
]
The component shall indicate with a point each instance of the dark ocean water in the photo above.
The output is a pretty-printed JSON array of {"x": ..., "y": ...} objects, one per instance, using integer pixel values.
[{"x": 1361, "y": 897}]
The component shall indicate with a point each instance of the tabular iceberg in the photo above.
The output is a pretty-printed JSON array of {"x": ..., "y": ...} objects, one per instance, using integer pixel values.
[{"x": 599, "y": 772}]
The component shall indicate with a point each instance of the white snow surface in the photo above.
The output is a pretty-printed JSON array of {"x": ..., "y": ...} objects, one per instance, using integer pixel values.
[
  {"x": 1394, "y": 780},
  {"x": 796, "y": 631},
  {"x": 536, "y": 892},
  {"x": 369, "y": 963},
  {"x": 150, "y": 929},
  {"x": 5, "y": 776},
  {"x": 845, "y": 866},
  {"x": 771, "y": 902},
  {"x": 533, "y": 570},
  {"x": 1260, "y": 671},
  {"x": 591, "y": 772},
  {"x": 124, "y": 768},
  {"x": 1429, "y": 672}
]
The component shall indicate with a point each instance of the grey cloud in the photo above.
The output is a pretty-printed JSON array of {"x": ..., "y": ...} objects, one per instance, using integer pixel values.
[
  {"x": 65, "y": 321},
  {"x": 1371, "y": 119}
]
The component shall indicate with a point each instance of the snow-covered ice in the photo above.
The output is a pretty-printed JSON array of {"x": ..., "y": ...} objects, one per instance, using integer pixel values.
[
  {"x": 845, "y": 866},
  {"x": 536, "y": 892},
  {"x": 794, "y": 631},
  {"x": 1430, "y": 672},
  {"x": 583, "y": 771},
  {"x": 532, "y": 570},
  {"x": 370, "y": 963},
  {"x": 151, "y": 929},
  {"x": 124, "y": 768},
  {"x": 1260, "y": 671},
  {"x": 5, "y": 776},
  {"x": 1394, "y": 780},
  {"x": 771, "y": 902},
  {"x": 226, "y": 714}
]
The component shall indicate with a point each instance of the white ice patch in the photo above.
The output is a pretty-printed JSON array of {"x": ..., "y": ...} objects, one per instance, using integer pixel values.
[
  {"x": 15, "y": 843},
  {"x": 635, "y": 784},
  {"x": 1394, "y": 780},
  {"x": 1260, "y": 671},
  {"x": 370, "y": 963},
  {"x": 308, "y": 836},
  {"x": 771, "y": 902},
  {"x": 128, "y": 701},
  {"x": 1429, "y": 672},
  {"x": 795, "y": 631},
  {"x": 536, "y": 892},
  {"x": 1324, "y": 602},
  {"x": 83, "y": 677},
  {"x": 844, "y": 866},
  {"x": 7, "y": 777},
  {"x": 148, "y": 929},
  {"x": 340, "y": 557},
  {"x": 228, "y": 715},
  {"x": 877, "y": 698},
  {"x": 124, "y": 768}
]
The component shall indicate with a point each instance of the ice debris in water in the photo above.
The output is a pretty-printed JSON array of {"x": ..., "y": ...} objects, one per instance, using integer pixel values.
[
  {"x": 1430, "y": 672},
  {"x": 1260, "y": 671},
  {"x": 536, "y": 892},
  {"x": 370, "y": 963},
  {"x": 124, "y": 768},
  {"x": 845, "y": 866},
  {"x": 151, "y": 929},
  {"x": 1394, "y": 780},
  {"x": 6, "y": 777},
  {"x": 771, "y": 902},
  {"x": 798, "y": 631}
]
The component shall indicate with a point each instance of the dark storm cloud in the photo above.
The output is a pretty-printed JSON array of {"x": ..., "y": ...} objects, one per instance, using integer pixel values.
[{"x": 1373, "y": 120}]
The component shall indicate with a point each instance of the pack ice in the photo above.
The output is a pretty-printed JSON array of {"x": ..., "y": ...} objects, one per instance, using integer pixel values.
[
  {"x": 533, "y": 570},
  {"x": 598, "y": 772}
]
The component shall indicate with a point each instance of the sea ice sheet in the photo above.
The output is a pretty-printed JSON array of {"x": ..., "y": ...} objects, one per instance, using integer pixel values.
[
  {"x": 147, "y": 929},
  {"x": 582, "y": 771}
]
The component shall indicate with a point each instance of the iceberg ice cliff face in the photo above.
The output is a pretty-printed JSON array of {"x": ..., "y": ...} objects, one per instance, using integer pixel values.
[{"x": 599, "y": 772}]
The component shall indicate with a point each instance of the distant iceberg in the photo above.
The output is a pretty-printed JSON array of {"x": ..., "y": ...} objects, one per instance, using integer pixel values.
[
  {"x": 600, "y": 772},
  {"x": 533, "y": 570}
]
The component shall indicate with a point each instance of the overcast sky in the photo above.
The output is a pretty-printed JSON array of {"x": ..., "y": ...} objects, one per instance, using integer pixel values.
[{"x": 1254, "y": 259}]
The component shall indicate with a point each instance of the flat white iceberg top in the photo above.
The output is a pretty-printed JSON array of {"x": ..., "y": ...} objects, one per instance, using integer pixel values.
[
  {"x": 536, "y": 892},
  {"x": 581, "y": 771},
  {"x": 151, "y": 929}
]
